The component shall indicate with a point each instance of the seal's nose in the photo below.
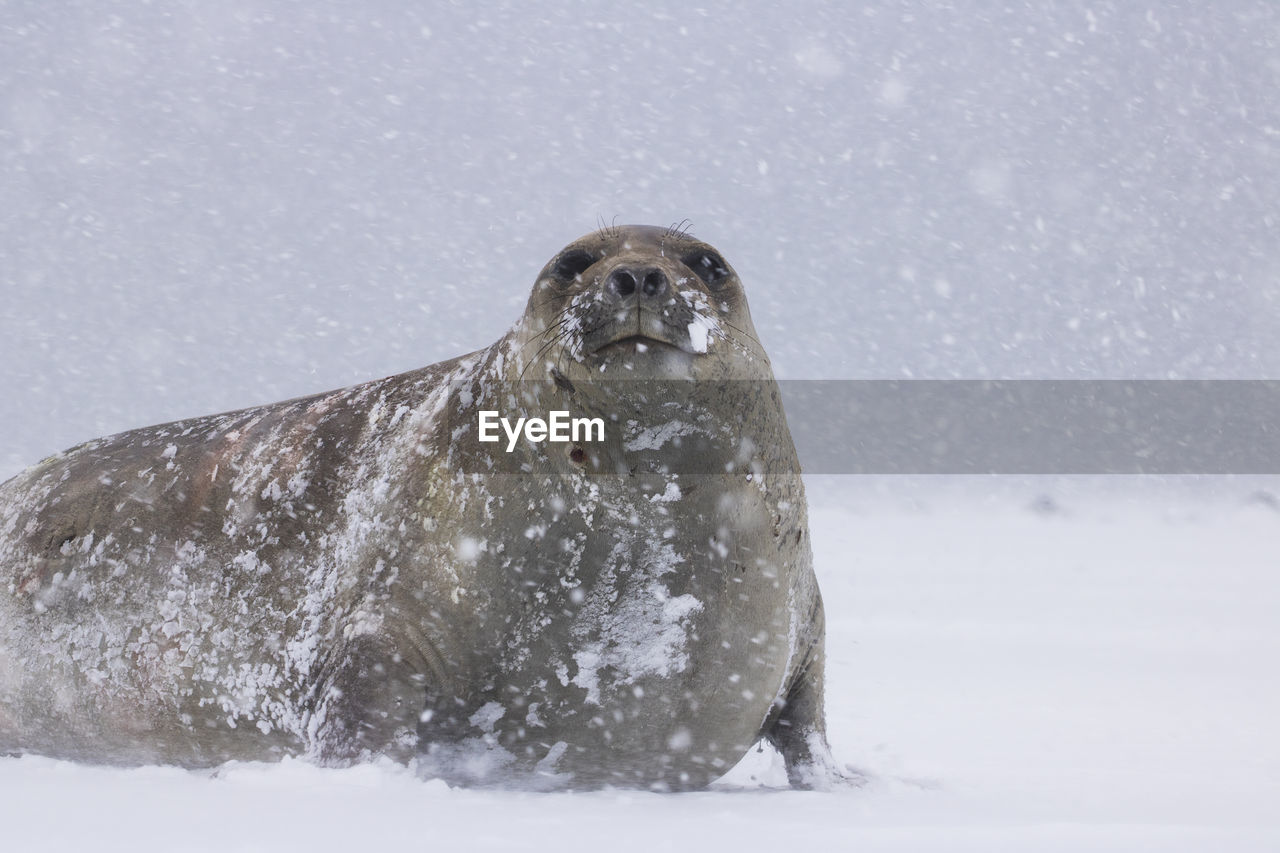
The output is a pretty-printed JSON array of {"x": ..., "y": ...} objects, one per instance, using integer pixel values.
[{"x": 650, "y": 282}]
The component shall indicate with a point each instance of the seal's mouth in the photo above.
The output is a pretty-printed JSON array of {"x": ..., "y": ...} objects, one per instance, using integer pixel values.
[
  {"x": 637, "y": 333},
  {"x": 638, "y": 344}
]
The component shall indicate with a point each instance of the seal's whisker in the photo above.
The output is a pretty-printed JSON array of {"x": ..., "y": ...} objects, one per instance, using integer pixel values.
[
  {"x": 564, "y": 334},
  {"x": 556, "y": 322},
  {"x": 575, "y": 300},
  {"x": 584, "y": 335},
  {"x": 744, "y": 333},
  {"x": 542, "y": 349},
  {"x": 537, "y": 338}
]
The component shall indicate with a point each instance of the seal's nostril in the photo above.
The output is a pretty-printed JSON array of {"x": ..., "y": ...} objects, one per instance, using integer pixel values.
[
  {"x": 622, "y": 282},
  {"x": 655, "y": 282},
  {"x": 650, "y": 282}
]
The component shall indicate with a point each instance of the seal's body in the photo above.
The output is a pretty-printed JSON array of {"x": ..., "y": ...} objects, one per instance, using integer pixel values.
[{"x": 355, "y": 574}]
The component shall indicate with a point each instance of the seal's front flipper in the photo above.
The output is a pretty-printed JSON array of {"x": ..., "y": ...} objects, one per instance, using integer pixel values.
[
  {"x": 799, "y": 733},
  {"x": 812, "y": 767},
  {"x": 368, "y": 706}
]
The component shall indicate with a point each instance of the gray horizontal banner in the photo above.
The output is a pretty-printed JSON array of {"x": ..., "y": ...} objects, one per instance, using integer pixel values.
[
  {"x": 1035, "y": 426},
  {"x": 1022, "y": 427}
]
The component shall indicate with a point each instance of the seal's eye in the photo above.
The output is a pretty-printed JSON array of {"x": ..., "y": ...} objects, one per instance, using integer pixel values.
[
  {"x": 573, "y": 263},
  {"x": 709, "y": 267}
]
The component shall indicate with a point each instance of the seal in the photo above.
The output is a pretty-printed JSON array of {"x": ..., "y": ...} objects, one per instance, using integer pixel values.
[{"x": 355, "y": 574}]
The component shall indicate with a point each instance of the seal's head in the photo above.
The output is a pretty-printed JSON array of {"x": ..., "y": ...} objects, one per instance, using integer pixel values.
[{"x": 639, "y": 301}]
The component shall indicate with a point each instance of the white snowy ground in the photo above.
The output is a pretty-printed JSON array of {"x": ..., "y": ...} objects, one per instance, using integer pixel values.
[{"x": 1100, "y": 677}]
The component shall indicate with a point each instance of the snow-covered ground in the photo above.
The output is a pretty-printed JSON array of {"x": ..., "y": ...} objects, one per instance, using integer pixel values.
[{"x": 1072, "y": 665}]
